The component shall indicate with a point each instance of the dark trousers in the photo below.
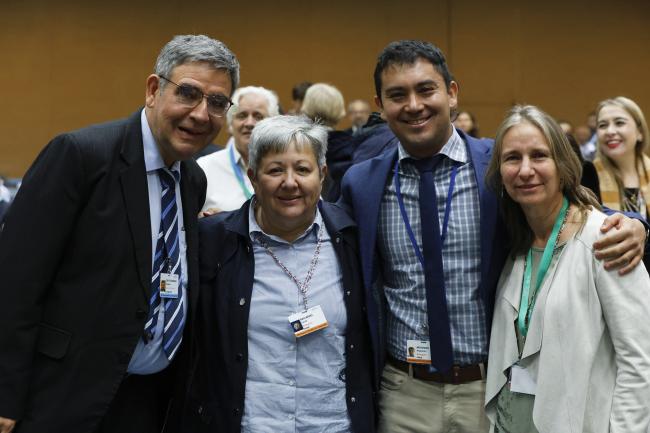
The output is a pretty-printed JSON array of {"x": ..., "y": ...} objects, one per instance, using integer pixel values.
[{"x": 140, "y": 405}]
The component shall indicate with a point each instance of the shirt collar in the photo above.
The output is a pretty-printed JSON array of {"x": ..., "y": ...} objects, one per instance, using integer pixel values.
[
  {"x": 152, "y": 158},
  {"x": 254, "y": 229},
  {"x": 453, "y": 149},
  {"x": 238, "y": 158}
]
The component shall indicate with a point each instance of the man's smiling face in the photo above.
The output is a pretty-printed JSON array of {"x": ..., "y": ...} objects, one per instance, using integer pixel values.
[{"x": 417, "y": 104}]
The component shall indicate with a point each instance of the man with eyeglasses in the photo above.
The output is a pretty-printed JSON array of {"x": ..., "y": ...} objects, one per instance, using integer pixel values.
[{"x": 99, "y": 256}]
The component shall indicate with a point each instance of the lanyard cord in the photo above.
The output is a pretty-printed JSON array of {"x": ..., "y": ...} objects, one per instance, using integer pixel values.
[
  {"x": 238, "y": 173},
  {"x": 405, "y": 218},
  {"x": 526, "y": 309},
  {"x": 304, "y": 286}
]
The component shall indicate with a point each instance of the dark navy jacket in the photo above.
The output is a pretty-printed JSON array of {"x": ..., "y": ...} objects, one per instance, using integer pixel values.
[{"x": 220, "y": 347}]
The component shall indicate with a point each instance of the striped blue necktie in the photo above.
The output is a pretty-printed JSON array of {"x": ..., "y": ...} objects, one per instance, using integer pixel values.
[{"x": 167, "y": 260}]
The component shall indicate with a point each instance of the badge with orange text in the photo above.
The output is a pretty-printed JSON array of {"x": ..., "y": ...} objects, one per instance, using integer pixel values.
[
  {"x": 309, "y": 321},
  {"x": 418, "y": 351}
]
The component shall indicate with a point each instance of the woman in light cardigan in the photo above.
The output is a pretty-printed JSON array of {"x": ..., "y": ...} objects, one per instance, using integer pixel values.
[{"x": 570, "y": 341}]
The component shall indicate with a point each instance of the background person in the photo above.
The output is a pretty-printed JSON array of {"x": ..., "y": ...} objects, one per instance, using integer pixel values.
[
  {"x": 324, "y": 103},
  {"x": 466, "y": 122},
  {"x": 570, "y": 344},
  {"x": 358, "y": 113},
  {"x": 622, "y": 165},
  {"x": 228, "y": 185},
  {"x": 282, "y": 253},
  {"x": 297, "y": 95},
  {"x": 103, "y": 217}
]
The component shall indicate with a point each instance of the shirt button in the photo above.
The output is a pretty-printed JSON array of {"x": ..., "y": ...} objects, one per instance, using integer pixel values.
[
  {"x": 353, "y": 400},
  {"x": 291, "y": 383},
  {"x": 242, "y": 301},
  {"x": 348, "y": 293},
  {"x": 351, "y": 346},
  {"x": 338, "y": 239},
  {"x": 240, "y": 357}
]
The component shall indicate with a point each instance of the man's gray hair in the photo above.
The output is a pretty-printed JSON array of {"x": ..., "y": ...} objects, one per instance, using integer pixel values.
[
  {"x": 272, "y": 104},
  {"x": 196, "y": 48},
  {"x": 275, "y": 134}
]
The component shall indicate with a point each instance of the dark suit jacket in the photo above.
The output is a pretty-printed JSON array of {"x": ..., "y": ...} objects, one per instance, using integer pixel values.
[
  {"x": 221, "y": 345},
  {"x": 75, "y": 258},
  {"x": 363, "y": 189}
]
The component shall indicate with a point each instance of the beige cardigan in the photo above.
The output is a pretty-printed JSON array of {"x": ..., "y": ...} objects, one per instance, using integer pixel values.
[{"x": 588, "y": 345}]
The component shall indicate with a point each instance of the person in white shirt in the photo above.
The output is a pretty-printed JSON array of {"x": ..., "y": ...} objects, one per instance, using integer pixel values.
[{"x": 228, "y": 185}]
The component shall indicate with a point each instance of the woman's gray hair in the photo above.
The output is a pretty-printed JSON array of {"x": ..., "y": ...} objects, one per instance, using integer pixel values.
[
  {"x": 196, "y": 48},
  {"x": 272, "y": 104},
  {"x": 275, "y": 134}
]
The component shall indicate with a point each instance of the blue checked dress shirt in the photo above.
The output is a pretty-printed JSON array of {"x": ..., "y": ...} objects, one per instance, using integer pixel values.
[{"x": 402, "y": 272}]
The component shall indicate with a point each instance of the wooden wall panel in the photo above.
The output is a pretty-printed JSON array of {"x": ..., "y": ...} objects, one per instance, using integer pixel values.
[{"x": 71, "y": 63}]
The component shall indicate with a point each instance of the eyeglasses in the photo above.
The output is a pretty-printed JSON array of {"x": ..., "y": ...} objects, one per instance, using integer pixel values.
[{"x": 191, "y": 96}]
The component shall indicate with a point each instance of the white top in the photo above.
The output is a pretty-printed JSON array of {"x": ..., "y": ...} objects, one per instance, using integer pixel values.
[
  {"x": 224, "y": 190},
  {"x": 588, "y": 345}
]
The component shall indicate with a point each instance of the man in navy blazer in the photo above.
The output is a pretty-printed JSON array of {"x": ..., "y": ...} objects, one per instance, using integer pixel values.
[
  {"x": 432, "y": 308},
  {"x": 84, "y": 341}
]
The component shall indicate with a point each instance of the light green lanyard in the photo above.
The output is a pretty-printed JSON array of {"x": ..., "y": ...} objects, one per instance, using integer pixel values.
[{"x": 525, "y": 310}]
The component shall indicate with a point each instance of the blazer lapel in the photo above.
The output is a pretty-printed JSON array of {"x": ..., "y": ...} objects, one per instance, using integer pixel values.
[
  {"x": 133, "y": 179},
  {"x": 190, "y": 223},
  {"x": 480, "y": 156},
  {"x": 366, "y": 208},
  {"x": 512, "y": 292}
]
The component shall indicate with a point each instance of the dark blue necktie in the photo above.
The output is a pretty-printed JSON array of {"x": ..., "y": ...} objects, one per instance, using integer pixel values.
[
  {"x": 434, "y": 277},
  {"x": 167, "y": 260}
]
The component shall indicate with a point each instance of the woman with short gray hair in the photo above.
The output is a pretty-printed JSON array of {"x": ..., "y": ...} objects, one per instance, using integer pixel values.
[{"x": 283, "y": 342}]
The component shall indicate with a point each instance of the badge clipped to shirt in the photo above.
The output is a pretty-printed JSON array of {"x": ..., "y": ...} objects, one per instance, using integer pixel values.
[
  {"x": 168, "y": 285},
  {"x": 521, "y": 380},
  {"x": 418, "y": 351},
  {"x": 308, "y": 321}
]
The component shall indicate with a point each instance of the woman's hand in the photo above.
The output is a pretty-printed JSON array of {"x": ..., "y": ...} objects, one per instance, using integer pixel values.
[{"x": 623, "y": 244}]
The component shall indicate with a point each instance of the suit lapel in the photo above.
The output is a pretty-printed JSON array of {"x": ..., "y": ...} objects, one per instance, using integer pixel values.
[
  {"x": 367, "y": 203},
  {"x": 488, "y": 206},
  {"x": 133, "y": 179},
  {"x": 190, "y": 222}
]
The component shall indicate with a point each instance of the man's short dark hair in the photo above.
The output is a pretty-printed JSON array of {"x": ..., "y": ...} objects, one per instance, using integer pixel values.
[
  {"x": 408, "y": 52},
  {"x": 299, "y": 90}
]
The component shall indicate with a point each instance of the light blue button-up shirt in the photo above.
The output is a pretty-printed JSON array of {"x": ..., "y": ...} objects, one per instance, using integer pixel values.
[
  {"x": 150, "y": 358},
  {"x": 295, "y": 384}
]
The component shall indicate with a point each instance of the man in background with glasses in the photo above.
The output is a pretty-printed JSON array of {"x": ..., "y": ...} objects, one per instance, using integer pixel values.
[{"x": 98, "y": 256}]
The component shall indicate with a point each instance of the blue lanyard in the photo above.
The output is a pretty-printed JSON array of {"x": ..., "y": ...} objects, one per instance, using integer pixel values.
[
  {"x": 402, "y": 209},
  {"x": 238, "y": 173}
]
